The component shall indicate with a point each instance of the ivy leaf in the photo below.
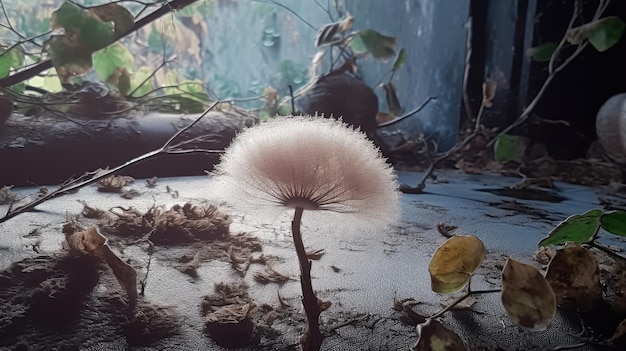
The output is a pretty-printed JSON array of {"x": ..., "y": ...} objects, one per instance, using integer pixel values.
[
  {"x": 543, "y": 52},
  {"x": 509, "y": 148},
  {"x": 400, "y": 59},
  {"x": 607, "y": 34},
  {"x": 380, "y": 46},
  {"x": 603, "y": 34},
  {"x": 454, "y": 262},
  {"x": 526, "y": 296},
  {"x": 576, "y": 228},
  {"x": 614, "y": 222}
]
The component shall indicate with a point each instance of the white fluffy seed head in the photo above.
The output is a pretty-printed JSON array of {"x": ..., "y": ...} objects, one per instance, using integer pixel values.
[{"x": 310, "y": 162}]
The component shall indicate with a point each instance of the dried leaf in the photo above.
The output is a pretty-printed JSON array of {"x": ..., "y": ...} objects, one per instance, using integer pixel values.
[
  {"x": 489, "y": 92},
  {"x": 454, "y": 262},
  {"x": 392, "y": 99},
  {"x": 544, "y": 254},
  {"x": 6, "y": 195},
  {"x": 114, "y": 184},
  {"x": 125, "y": 273},
  {"x": 92, "y": 212},
  {"x": 446, "y": 230},
  {"x": 315, "y": 254},
  {"x": 574, "y": 275},
  {"x": 526, "y": 296},
  {"x": 603, "y": 33},
  {"x": 151, "y": 182},
  {"x": 432, "y": 336},
  {"x": 620, "y": 331},
  {"x": 91, "y": 242},
  {"x": 270, "y": 275},
  {"x": 191, "y": 267},
  {"x": 87, "y": 242}
]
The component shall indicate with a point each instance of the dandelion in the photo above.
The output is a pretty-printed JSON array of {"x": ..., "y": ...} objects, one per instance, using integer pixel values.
[{"x": 315, "y": 164}]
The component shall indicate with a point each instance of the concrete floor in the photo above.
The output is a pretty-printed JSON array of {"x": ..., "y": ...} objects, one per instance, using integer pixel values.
[{"x": 374, "y": 268}]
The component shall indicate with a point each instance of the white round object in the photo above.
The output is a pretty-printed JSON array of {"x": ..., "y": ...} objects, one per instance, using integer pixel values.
[{"x": 611, "y": 127}]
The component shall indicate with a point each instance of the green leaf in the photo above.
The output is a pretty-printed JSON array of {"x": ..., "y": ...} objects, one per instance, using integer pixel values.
[
  {"x": 11, "y": 59},
  {"x": 357, "y": 45},
  {"x": 543, "y": 52},
  {"x": 607, "y": 34},
  {"x": 69, "y": 17},
  {"x": 509, "y": 148},
  {"x": 95, "y": 34},
  {"x": 400, "y": 59},
  {"x": 193, "y": 90},
  {"x": 140, "y": 84},
  {"x": 380, "y": 46},
  {"x": 577, "y": 228},
  {"x": 108, "y": 60},
  {"x": 614, "y": 222}
]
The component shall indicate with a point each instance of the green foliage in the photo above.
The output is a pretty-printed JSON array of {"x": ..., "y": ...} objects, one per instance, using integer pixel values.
[
  {"x": 140, "y": 84},
  {"x": 13, "y": 58},
  {"x": 400, "y": 59},
  {"x": 108, "y": 60},
  {"x": 577, "y": 228},
  {"x": 509, "y": 148},
  {"x": 380, "y": 46},
  {"x": 614, "y": 222},
  {"x": 607, "y": 34},
  {"x": 85, "y": 31},
  {"x": 543, "y": 52}
]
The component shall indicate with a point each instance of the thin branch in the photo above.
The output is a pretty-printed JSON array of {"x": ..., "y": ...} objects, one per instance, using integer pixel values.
[
  {"x": 467, "y": 294},
  {"x": 531, "y": 106},
  {"x": 90, "y": 178},
  {"x": 422, "y": 184},
  {"x": 466, "y": 72}
]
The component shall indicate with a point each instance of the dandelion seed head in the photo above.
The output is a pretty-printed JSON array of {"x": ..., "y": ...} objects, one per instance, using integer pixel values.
[{"x": 314, "y": 163}]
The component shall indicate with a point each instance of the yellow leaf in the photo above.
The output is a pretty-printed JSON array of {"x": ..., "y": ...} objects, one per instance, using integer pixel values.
[{"x": 454, "y": 262}]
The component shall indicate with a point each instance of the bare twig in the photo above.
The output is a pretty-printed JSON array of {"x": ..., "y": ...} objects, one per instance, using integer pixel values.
[
  {"x": 468, "y": 56},
  {"x": 92, "y": 177},
  {"x": 469, "y": 292},
  {"x": 552, "y": 69}
]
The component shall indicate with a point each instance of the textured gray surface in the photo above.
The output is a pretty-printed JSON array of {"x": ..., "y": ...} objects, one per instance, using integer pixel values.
[{"x": 375, "y": 267}]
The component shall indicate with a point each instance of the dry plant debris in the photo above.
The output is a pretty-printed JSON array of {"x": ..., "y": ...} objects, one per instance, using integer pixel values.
[
  {"x": 179, "y": 224},
  {"x": 114, "y": 184},
  {"x": 6, "y": 195},
  {"x": 270, "y": 275},
  {"x": 91, "y": 243},
  {"x": 227, "y": 313},
  {"x": 574, "y": 275}
]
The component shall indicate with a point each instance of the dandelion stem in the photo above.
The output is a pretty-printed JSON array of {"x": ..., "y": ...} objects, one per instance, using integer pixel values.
[{"x": 311, "y": 339}]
